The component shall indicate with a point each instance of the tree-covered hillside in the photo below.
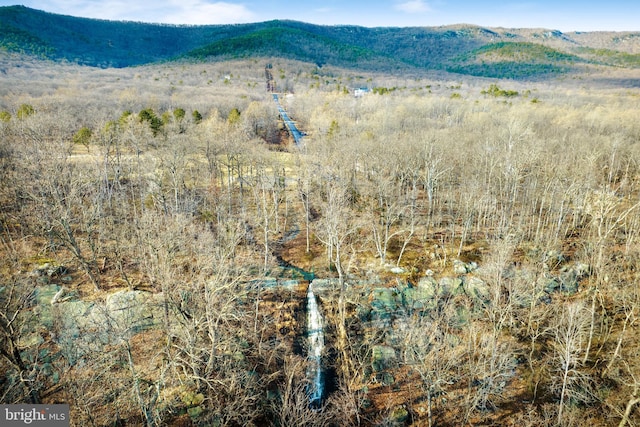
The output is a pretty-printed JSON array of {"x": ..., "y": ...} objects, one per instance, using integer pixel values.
[
  {"x": 463, "y": 49},
  {"x": 514, "y": 60},
  {"x": 292, "y": 43}
]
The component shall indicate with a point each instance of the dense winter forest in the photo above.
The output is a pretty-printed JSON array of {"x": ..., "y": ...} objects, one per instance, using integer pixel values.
[{"x": 472, "y": 244}]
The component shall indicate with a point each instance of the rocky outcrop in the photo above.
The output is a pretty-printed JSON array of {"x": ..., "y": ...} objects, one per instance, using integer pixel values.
[
  {"x": 79, "y": 326},
  {"x": 461, "y": 267},
  {"x": 477, "y": 289}
]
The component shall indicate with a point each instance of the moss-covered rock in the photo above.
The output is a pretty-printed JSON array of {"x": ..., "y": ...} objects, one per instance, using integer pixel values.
[
  {"x": 419, "y": 298},
  {"x": 477, "y": 289},
  {"x": 384, "y": 299},
  {"x": 191, "y": 398},
  {"x": 450, "y": 286},
  {"x": 195, "y": 411},
  {"x": 399, "y": 414},
  {"x": 383, "y": 357}
]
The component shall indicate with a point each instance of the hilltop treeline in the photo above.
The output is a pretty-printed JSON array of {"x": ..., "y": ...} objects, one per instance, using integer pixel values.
[{"x": 462, "y": 49}]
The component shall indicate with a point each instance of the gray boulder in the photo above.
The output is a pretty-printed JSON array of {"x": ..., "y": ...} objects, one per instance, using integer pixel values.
[
  {"x": 420, "y": 297},
  {"x": 477, "y": 289},
  {"x": 429, "y": 283},
  {"x": 459, "y": 267},
  {"x": 45, "y": 294},
  {"x": 50, "y": 269},
  {"x": 133, "y": 311},
  {"x": 449, "y": 286},
  {"x": 264, "y": 283},
  {"x": 571, "y": 275},
  {"x": 325, "y": 285},
  {"x": 397, "y": 270},
  {"x": 552, "y": 285},
  {"x": 384, "y": 299},
  {"x": 289, "y": 284}
]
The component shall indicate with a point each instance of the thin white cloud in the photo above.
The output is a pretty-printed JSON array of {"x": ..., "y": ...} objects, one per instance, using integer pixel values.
[
  {"x": 203, "y": 12},
  {"x": 193, "y": 12},
  {"x": 413, "y": 6},
  {"x": 109, "y": 9}
]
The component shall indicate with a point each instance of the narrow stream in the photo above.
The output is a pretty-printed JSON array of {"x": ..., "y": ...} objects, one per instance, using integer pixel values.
[{"x": 315, "y": 335}]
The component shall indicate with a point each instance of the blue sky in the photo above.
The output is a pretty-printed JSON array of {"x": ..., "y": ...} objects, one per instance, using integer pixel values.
[{"x": 571, "y": 15}]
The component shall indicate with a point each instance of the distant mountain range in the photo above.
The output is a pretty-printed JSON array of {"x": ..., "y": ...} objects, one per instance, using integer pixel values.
[{"x": 464, "y": 49}]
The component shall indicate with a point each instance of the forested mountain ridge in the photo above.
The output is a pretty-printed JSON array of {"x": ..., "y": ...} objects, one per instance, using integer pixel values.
[{"x": 464, "y": 49}]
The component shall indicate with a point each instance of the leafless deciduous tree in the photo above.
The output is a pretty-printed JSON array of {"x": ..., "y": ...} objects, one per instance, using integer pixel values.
[{"x": 570, "y": 336}]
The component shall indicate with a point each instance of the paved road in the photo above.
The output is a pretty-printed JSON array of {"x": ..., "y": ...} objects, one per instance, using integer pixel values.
[{"x": 297, "y": 135}]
